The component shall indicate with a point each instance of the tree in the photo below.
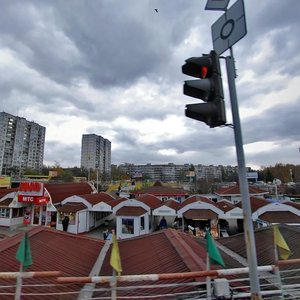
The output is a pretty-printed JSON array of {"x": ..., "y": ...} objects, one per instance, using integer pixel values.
[
  {"x": 64, "y": 176},
  {"x": 116, "y": 173}
]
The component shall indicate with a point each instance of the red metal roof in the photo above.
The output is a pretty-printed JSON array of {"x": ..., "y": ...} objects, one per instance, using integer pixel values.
[
  {"x": 235, "y": 190},
  {"x": 225, "y": 206},
  {"x": 98, "y": 197},
  {"x": 51, "y": 250},
  {"x": 197, "y": 198},
  {"x": 282, "y": 217},
  {"x": 114, "y": 203},
  {"x": 166, "y": 251},
  {"x": 150, "y": 200},
  {"x": 172, "y": 204},
  {"x": 131, "y": 211},
  {"x": 293, "y": 204},
  {"x": 72, "y": 207},
  {"x": 4, "y": 192},
  {"x": 6, "y": 202},
  {"x": 60, "y": 191},
  {"x": 255, "y": 203},
  {"x": 162, "y": 191},
  {"x": 264, "y": 242},
  {"x": 200, "y": 214}
]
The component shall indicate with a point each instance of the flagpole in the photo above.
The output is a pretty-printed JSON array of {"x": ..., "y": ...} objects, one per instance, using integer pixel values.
[
  {"x": 208, "y": 282},
  {"x": 113, "y": 285},
  {"x": 277, "y": 272},
  {"x": 19, "y": 284},
  {"x": 115, "y": 262},
  {"x": 23, "y": 255}
]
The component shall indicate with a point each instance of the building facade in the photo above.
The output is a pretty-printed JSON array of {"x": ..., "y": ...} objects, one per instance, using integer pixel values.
[
  {"x": 96, "y": 153},
  {"x": 21, "y": 144},
  {"x": 171, "y": 172}
]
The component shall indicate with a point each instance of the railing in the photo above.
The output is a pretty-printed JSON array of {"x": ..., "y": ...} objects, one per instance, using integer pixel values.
[{"x": 224, "y": 284}]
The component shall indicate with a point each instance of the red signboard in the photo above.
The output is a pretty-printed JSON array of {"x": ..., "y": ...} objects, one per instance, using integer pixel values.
[
  {"x": 31, "y": 188},
  {"x": 33, "y": 199}
]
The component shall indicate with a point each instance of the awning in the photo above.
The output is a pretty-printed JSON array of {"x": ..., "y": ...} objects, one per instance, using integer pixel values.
[
  {"x": 131, "y": 211},
  {"x": 286, "y": 217},
  {"x": 200, "y": 214},
  {"x": 6, "y": 202},
  {"x": 72, "y": 207}
]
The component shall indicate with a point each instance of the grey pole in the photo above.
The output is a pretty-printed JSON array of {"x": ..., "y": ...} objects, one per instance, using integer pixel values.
[{"x": 247, "y": 214}]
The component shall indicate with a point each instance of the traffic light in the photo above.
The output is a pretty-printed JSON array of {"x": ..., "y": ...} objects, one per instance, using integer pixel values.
[{"x": 209, "y": 88}]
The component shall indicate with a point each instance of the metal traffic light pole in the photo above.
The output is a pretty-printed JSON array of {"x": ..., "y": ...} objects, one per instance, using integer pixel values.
[{"x": 247, "y": 214}]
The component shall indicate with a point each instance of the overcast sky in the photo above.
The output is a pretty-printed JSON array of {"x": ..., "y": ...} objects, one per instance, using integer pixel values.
[{"x": 113, "y": 68}]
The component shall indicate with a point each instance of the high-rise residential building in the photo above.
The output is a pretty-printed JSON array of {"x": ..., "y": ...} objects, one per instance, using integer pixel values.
[
  {"x": 96, "y": 153},
  {"x": 21, "y": 144}
]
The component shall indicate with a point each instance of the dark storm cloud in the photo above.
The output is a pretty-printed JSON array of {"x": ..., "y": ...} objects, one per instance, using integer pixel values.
[
  {"x": 109, "y": 43},
  {"x": 277, "y": 22},
  {"x": 280, "y": 123},
  {"x": 117, "y": 63}
]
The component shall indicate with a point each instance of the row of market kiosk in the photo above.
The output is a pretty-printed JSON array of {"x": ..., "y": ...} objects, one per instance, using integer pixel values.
[{"x": 78, "y": 208}]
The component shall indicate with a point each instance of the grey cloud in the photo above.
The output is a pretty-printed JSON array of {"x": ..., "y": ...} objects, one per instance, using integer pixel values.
[
  {"x": 64, "y": 155},
  {"x": 280, "y": 123},
  {"x": 114, "y": 45}
]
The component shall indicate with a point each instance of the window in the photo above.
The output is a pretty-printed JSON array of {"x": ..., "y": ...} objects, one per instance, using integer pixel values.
[
  {"x": 128, "y": 226},
  {"x": 4, "y": 212},
  {"x": 17, "y": 212},
  {"x": 71, "y": 216},
  {"x": 99, "y": 215},
  {"x": 142, "y": 220}
]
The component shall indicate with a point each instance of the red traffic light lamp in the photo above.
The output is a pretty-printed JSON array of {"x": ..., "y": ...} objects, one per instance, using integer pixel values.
[{"x": 208, "y": 88}]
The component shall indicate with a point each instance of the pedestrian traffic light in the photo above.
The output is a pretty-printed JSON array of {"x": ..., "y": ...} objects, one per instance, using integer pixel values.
[{"x": 208, "y": 88}]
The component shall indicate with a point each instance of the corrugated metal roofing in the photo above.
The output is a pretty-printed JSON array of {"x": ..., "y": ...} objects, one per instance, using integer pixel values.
[
  {"x": 197, "y": 198},
  {"x": 131, "y": 211},
  {"x": 162, "y": 191},
  {"x": 225, "y": 205},
  {"x": 72, "y": 207},
  {"x": 255, "y": 203},
  {"x": 150, "y": 200},
  {"x": 235, "y": 190},
  {"x": 98, "y": 197},
  {"x": 200, "y": 214},
  {"x": 4, "y": 192},
  {"x": 60, "y": 191},
  {"x": 166, "y": 251},
  {"x": 293, "y": 204},
  {"x": 172, "y": 204},
  {"x": 51, "y": 250},
  {"x": 264, "y": 241},
  {"x": 6, "y": 202},
  {"x": 283, "y": 217}
]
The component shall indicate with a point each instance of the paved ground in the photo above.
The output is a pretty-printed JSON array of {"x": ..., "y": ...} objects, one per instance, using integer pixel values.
[
  {"x": 96, "y": 233},
  {"x": 7, "y": 232}
]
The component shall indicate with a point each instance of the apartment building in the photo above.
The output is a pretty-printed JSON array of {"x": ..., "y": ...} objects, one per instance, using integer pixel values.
[
  {"x": 21, "y": 144},
  {"x": 96, "y": 153},
  {"x": 208, "y": 172}
]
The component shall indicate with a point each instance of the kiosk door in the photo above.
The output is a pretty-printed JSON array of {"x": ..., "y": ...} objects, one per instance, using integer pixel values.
[{"x": 36, "y": 215}]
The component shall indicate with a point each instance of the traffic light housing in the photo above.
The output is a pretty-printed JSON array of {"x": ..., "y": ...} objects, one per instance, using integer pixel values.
[{"x": 208, "y": 88}]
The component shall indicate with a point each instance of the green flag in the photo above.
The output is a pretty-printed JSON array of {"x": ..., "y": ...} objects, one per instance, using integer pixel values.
[
  {"x": 213, "y": 252},
  {"x": 23, "y": 254}
]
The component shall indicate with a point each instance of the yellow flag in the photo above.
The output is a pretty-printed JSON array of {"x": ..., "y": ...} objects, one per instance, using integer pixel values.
[
  {"x": 115, "y": 259},
  {"x": 283, "y": 247}
]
